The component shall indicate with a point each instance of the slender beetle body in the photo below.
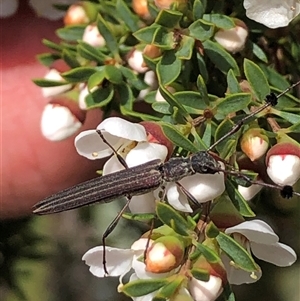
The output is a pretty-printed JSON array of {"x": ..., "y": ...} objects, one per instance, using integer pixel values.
[{"x": 127, "y": 182}]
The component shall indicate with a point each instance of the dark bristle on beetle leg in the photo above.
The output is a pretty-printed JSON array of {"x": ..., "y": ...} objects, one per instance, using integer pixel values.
[{"x": 287, "y": 192}]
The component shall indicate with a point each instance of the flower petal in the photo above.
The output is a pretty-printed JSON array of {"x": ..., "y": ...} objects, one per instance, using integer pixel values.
[
  {"x": 206, "y": 290},
  {"x": 144, "y": 203},
  {"x": 275, "y": 13},
  {"x": 204, "y": 187},
  {"x": 118, "y": 261},
  {"x": 278, "y": 253},
  {"x": 144, "y": 152},
  {"x": 238, "y": 276},
  {"x": 90, "y": 145},
  {"x": 256, "y": 230},
  {"x": 177, "y": 199},
  {"x": 123, "y": 129}
]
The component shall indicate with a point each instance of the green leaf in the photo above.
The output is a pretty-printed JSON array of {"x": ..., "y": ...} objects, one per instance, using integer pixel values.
[
  {"x": 232, "y": 82},
  {"x": 200, "y": 274},
  {"x": 113, "y": 74},
  {"x": 201, "y": 30},
  {"x": 52, "y": 45},
  {"x": 70, "y": 58},
  {"x": 185, "y": 50},
  {"x": 147, "y": 34},
  {"x": 198, "y": 9},
  {"x": 219, "y": 20},
  {"x": 168, "y": 290},
  {"x": 47, "y": 59},
  {"x": 96, "y": 79},
  {"x": 162, "y": 107},
  {"x": 71, "y": 33},
  {"x": 202, "y": 67},
  {"x": 125, "y": 96},
  {"x": 177, "y": 138},
  {"x": 91, "y": 53},
  {"x": 141, "y": 217},
  {"x": 258, "y": 52},
  {"x": 234, "y": 103},
  {"x": 203, "y": 91},
  {"x": 45, "y": 83},
  {"x": 142, "y": 287},
  {"x": 207, "y": 252},
  {"x": 292, "y": 118},
  {"x": 168, "y": 18},
  {"x": 220, "y": 57},
  {"x": 168, "y": 68},
  {"x": 238, "y": 201},
  {"x": 256, "y": 79},
  {"x": 191, "y": 99},
  {"x": 227, "y": 147},
  {"x": 77, "y": 75},
  {"x": 132, "y": 78},
  {"x": 100, "y": 97},
  {"x": 131, "y": 20},
  {"x": 174, "y": 103},
  {"x": 237, "y": 253},
  {"x": 294, "y": 128},
  {"x": 108, "y": 36},
  {"x": 170, "y": 217}
]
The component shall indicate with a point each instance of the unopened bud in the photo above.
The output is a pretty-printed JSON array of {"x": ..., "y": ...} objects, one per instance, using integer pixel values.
[
  {"x": 92, "y": 36},
  {"x": 283, "y": 163},
  {"x": 140, "y": 7},
  {"x": 163, "y": 4},
  {"x": 165, "y": 254},
  {"x": 54, "y": 75},
  {"x": 233, "y": 39},
  {"x": 60, "y": 119},
  {"x": 152, "y": 51},
  {"x": 76, "y": 14},
  {"x": 136, "y": 61},
  {"x": 254, "y": 144}
]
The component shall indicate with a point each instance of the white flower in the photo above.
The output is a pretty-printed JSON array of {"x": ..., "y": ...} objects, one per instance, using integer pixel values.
[
  {"x": 54, "y": 75},
  {"x": 273, "y": 13},
  {"x": 130, "y": 140},
  {"x": 47, "y": 10},
  {"x": 118, "y": 261},
  {"x": 260, "y": 238},
  {"x": 203, "y": 187}
]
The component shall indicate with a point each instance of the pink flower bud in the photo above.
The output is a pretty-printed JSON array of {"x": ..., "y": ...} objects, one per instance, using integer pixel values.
[
  {"x": 254, "y": 144},
  {"x": 165, "y": 254},
  {"x": 61, "y": 118},
  {"x": 136, "y": 61},
  {"x": 233, "y": 39},
  {"x": 283, "y": 163},
  {"x": 92, "y": 36},
  {"x": 54, "y": 75},
  {"x": 76, "y": 14}
]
